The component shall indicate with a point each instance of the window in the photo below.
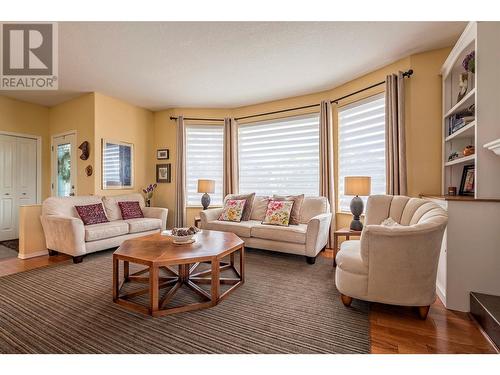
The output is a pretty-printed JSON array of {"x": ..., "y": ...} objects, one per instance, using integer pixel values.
[
  {"x": 204, "y": 160},
  {"x": 362, "y": 145},
  {"x": 117, "y": 168},
  {"x": 280, "y": 156}
]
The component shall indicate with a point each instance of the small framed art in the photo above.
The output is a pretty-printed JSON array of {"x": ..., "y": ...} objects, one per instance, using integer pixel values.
[
  {"x": 163, "y": 173},
  {"x": 162, "y": 154},
  {"x": 467, "y": 185}
]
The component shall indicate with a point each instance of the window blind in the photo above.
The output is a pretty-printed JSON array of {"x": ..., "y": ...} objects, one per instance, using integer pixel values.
[
  {"x": 280, "y": 156},
  {"x": 204, "y": 160},
  {"x": 362, "y": 145}
]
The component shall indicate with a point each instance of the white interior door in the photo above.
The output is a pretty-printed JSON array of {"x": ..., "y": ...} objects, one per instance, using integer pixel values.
[
  {"x": 64, "y": 165},
  {"x": 18, "y": 181}
]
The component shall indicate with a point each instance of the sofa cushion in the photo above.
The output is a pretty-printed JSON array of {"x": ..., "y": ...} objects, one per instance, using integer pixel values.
[
  {"x": 65, "y": 206},
  {"x": 297, "y": 205},
  {"x": 233, "y": 210},
  {"x": 313, "y": 206},
  {"x": 101, "y": 231},
  {"x": 278, "y": 213},
  {"x": 294, "y": 234},
  {"x": 241, "y": 229},
  {"x": 259, "y": 208},
  {"x": 143, "y": 224},
  {"x": 111, "y": 204},
  {"x": 349, "y": 258},
  {"x": 92, "y": 214},
  {"x": 247, "y": 210},
  {"x": 130, "y": 210}
]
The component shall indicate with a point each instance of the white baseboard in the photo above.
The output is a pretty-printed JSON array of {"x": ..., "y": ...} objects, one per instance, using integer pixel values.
[
  {"x": 441, "y": 294},
  {"x": 33, "y": 255}
]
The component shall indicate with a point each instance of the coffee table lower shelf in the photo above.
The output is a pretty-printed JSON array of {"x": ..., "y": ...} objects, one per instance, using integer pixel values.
[{"x": 186, "y": 275}]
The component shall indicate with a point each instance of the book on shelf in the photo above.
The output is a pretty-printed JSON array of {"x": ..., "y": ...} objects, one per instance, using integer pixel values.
[{"x": 456, "y": 123}]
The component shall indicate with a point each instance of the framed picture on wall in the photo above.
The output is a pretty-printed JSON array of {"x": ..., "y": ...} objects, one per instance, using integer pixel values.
[
  {"x": 163, "y": 173},
  {"x": 467, "y": 185},
  {"x": 162, "y": 154},
  {"x": 117, "y": 165}
]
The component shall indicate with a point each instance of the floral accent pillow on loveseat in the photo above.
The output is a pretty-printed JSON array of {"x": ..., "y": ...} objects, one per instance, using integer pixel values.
[
  {"x": 233, "y": 210},
  {"x": 278, "y": 213}
]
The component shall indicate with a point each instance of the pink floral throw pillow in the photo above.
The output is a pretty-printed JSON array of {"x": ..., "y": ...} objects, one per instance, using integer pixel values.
[
  {"x": 92, "y": 214},
  {"x": 233, "y": 210},
  {"x": 278, "y": 213},
  {"x": 130, "y": 210}
]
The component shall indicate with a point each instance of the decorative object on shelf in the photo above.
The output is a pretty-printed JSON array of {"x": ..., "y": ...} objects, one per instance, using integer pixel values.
[
  {"x": 205, "y": 187},
  {"x": 453, "y": 156},
  {"x": 467, "y": 183},
  {"x": 85, "y": 147},
  {"x": 117, "y": 165},
  {"x": 162, "y": 154},
  {"x": 463, "y": 83},
  {"x": 452, "y": 190},
  {"x": 469, "y": 62},
  {"x": 148, "y": 193},
  {"x": 468, "y": 150},
  {"x": 493, "y": 146},
  {"x": 163, "y": 174},
  {"x": 357, "y": 185},
  {"x": 460, "y": 119},
  {"x": 89, "y": 170}
]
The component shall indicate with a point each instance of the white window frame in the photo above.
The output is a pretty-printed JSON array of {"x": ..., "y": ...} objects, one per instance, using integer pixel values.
[
  {"x": 340, "y": 173},
  {"x": 214, "y": 202}
]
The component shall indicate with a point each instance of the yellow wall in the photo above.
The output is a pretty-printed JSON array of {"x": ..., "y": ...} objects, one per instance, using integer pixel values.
[
  {"x": 120, "y": 121},
  {"x": 77, "y": 114},
  {"x": 423, "y": 123},
  {"x": 32, "y": 119}
]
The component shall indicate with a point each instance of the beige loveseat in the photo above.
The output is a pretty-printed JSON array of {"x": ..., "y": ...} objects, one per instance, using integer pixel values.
[
  {"x": 308, "y": 238},
  {"x": 64, "y": 230},
  {"x": 394, "y": 264}
]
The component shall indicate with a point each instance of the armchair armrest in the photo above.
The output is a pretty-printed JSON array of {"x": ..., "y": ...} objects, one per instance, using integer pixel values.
[
  {"x": 157, "y": 213},
  {"x": 318, "y": 230},
  {"x": 64, "y": 234},
  {"x": 209, "y": 215}
]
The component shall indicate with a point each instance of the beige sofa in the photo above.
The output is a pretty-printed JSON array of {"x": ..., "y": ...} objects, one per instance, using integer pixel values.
[
  {"x": 394, "y": 264},
  {"x": 308, "y": 238},
  {"x": 65, "y": 233}
]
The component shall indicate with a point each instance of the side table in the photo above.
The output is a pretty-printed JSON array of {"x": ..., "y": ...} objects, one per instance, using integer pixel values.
[
  {"x": 345, "y": 232},
  {"x": 197, "y": 221}
]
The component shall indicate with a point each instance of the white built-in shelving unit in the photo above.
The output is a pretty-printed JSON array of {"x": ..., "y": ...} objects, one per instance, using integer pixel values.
[{"x": 470, "y": 253}]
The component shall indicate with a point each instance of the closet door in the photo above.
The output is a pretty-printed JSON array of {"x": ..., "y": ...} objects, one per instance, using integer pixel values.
[
  {"x": 8, "y": 214},
  {"x": 26, "y": 175}
]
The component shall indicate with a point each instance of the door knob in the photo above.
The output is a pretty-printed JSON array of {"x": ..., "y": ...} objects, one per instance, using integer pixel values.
[
  {"x": 6, "y": 194},
  {"x": 24, "y": 193}
]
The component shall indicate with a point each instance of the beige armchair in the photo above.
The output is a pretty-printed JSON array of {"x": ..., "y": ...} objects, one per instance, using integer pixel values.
[{"x": 394, "y": 264}]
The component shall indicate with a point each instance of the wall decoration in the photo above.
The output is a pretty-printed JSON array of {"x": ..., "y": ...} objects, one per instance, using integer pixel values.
[
  {"x": 162, "y": 154},
  {"x": 463, "y": 83},
  {"x": 163, "y": 173},
  {"x": 117, "y": 165},
  {"x": 85, "y": 147},
  {"x": 89, "y": 170},
  {"x": 467, "y": 184}
]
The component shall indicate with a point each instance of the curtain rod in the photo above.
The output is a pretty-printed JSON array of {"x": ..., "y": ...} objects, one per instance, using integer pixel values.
[{"x": 405, "y": 74}]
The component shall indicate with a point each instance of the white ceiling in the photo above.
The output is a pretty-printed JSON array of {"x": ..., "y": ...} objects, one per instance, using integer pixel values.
[{"x": 160, "y": 65}]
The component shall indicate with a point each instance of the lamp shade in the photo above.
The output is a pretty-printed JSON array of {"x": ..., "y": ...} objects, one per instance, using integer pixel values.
[
  {"x": 357, "y": 185},
  {"x": 206, "y": 186}
]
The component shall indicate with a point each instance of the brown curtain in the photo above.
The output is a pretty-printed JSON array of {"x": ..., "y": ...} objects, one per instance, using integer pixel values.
[
  {"x": 180, "y": 181},
  {"x": 395, "y": 140},
  {"x": 326, "y": 177},
  {"x": 230, "y": 156}
]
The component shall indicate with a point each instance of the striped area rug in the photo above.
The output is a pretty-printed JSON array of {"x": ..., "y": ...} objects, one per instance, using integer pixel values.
[{"x": 285, "y": 306}]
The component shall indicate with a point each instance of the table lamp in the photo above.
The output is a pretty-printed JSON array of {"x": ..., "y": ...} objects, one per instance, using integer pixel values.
[
  {"x": 357, "y": 185},
  {"x": 206, "y": 186}
]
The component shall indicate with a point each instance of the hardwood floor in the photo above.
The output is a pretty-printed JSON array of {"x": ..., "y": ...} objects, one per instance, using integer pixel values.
[
  {"x": 397, "y": 329},
  {"x": 393, "y": 329}
]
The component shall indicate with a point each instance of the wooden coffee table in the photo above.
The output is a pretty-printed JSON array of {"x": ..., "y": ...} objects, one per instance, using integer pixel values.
[{"x": 159, "y": 254}]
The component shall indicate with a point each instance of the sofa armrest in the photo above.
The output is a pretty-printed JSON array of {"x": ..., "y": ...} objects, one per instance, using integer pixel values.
[
  {"x": 64, "y": 234},
  {"x": 157, "y": 213},
  {"x": 209, "y": 215},
  {"x": 318, "y": 230}
]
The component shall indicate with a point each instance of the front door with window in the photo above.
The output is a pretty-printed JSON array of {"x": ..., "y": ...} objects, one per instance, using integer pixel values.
[{"x": 64, "y": 165}]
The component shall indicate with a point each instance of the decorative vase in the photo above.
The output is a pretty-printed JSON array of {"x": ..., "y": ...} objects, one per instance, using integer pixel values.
[{"x": 148, "y": 202}]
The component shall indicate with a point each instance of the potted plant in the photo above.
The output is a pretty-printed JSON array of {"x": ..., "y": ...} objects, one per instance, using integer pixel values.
[{"x": 148, "y": 193}]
